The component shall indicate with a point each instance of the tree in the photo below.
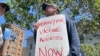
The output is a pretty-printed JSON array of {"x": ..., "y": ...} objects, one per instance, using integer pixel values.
[
  {"x": 23, "y": 12},
  {"x": 89, "y": 26}
]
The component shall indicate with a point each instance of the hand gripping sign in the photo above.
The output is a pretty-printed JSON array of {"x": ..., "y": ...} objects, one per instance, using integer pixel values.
[{"x": 52, "y": 38}]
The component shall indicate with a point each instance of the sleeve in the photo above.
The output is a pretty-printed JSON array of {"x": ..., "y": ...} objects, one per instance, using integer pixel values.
[
  {"x": 74, "y": 41},
  {"x": 35, "y": 33}
]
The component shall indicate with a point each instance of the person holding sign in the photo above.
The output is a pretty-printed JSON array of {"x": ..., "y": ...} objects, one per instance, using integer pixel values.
[
  {"x": 3, "y": 9},
  {"x": 74, "y": 42}
]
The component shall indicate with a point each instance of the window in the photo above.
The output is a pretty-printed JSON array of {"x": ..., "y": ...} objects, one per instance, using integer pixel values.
[
  {"x": 20, "y": 45},
  {"x": 29, "y": 54},
  {"x": 14, "y": 43},
  {"x": 20, "y": 41},
  {"x": 18, "y": 54},
  {"x": 8, "y": 47},
  {"x": 13, "y": 49},
  {"x": 21, "y": 36},
  {"x": 12, "y": 54},
  {"x": 30, "y": 46},
  {"x": 19, "y": 49},
  {"x": 13, "y": 35},
  {"x": 6, "y": 53}
]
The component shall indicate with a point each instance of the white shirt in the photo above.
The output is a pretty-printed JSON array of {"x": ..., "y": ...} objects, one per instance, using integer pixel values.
[{"x": 1, "y": 37}]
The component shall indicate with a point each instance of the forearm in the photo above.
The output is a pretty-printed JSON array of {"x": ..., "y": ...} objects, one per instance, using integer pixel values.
[
  {"x": 73, "y": 39},
  {"x": 75, "y": 44}
]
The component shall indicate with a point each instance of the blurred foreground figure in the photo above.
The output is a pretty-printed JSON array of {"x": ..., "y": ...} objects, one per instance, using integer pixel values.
[{"x": 3, "y": 9}]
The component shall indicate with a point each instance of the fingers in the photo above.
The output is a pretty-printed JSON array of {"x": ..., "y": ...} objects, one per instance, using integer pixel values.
[{"x": 36, "y": 26}]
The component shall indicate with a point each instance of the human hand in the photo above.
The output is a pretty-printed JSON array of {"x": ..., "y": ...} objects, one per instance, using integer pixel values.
[{"x": 36, "y": 26}]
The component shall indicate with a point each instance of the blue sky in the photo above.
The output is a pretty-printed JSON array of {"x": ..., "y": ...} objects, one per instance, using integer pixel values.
[
  {"x": 68, "y": 13},
  {"x": 27, "y": 32},
  {"x": 2, "y": 21}
]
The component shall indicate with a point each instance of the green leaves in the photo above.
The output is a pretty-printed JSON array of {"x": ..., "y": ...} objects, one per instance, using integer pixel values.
[
  {"x": 22, "y": 8},
  {"x": 75, "y": 10},
  {"x": 90, "y": 50},
  {"x": 21, "y": 16}
]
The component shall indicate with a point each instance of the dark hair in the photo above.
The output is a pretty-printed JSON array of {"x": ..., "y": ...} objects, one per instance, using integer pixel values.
[
  {"x": 5, "y": 6},
  {"x": 44, "y": 5}
]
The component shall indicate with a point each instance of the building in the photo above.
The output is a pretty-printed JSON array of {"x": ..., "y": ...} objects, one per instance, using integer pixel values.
[
  {"x": 23, "y": 51},
  {"x": 13, "y": 45},
  {"x": 29, "y": 50}
]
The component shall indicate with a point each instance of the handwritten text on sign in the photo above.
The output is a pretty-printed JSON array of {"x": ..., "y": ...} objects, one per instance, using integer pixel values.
[{"x": 52, "y": 38}]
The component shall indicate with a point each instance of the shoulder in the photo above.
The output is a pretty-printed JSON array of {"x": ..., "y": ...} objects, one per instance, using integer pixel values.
[{"x": 69, "y": 20}]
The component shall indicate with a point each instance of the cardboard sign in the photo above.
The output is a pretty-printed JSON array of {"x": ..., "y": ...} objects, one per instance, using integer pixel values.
[{"x": 52, "y": 38}]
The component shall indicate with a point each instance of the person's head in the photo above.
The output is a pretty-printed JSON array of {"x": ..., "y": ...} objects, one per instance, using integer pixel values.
[
  {"x": 3, "y": 8},
  {"x": 50, "y": 9}
]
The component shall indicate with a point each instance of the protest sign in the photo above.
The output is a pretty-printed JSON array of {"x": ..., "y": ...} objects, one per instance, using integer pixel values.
[{"x": 52, "y": 38}]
